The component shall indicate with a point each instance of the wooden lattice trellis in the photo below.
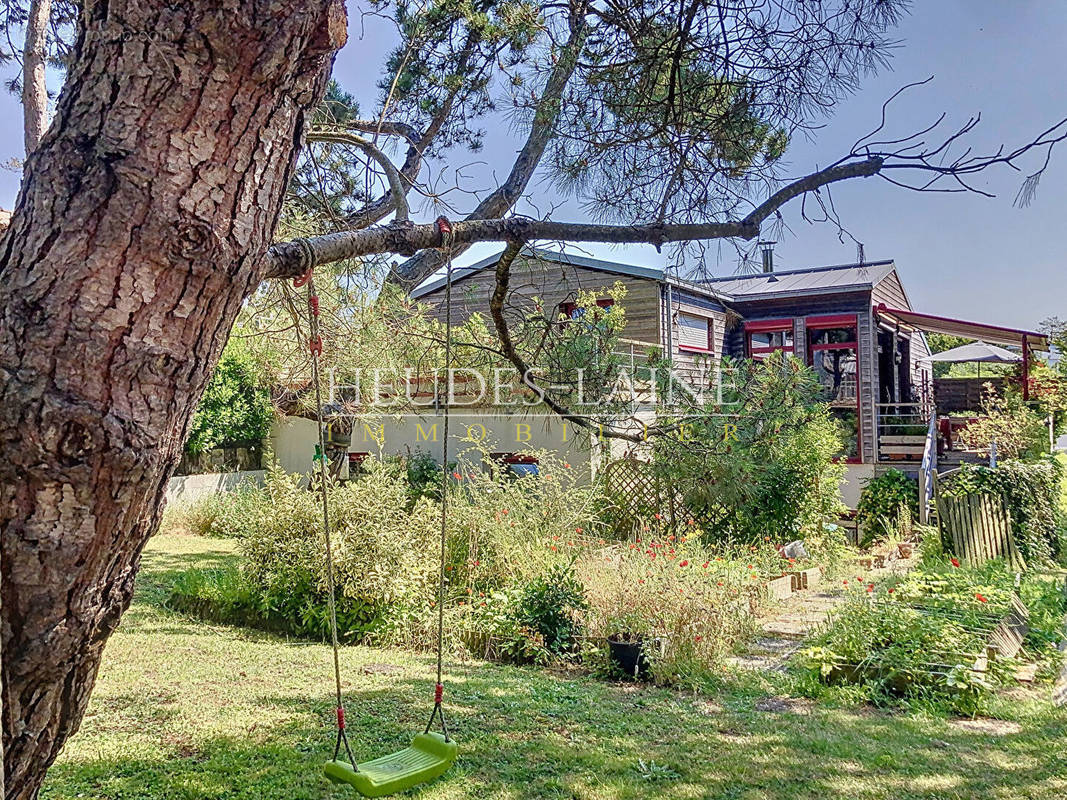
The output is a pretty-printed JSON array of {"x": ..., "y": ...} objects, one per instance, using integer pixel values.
[{"x": 638, "y": 494}]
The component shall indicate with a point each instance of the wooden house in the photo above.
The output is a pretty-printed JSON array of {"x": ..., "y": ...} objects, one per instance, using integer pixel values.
[{"x": 852, "y": 323}]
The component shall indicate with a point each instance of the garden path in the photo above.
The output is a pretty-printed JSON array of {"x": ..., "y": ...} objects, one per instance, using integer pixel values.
[{"x": 791, "y": 621}]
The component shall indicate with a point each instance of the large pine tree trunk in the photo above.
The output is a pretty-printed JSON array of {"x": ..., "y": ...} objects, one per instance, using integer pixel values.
[{"x": 140, "y": 228}]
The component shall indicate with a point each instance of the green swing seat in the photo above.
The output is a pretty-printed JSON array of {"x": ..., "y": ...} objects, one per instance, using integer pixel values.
[{"x": 429, "y": 756}]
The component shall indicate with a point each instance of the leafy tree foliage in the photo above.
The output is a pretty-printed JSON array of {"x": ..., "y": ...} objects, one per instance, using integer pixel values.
[
  {"x": 235, "y": 408},
  {"x": 762, "y": 463}
]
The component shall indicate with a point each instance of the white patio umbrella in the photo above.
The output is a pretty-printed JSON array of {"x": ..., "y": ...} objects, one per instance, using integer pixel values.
[{"x": 976, "y": 352}]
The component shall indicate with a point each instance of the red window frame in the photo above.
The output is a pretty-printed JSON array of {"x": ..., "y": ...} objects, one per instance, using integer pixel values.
[
  {"x": 710, "y": 349},
  {"x": 840, "y": 321},
  {"x": 783, "y": 325},
  {"x": 568, "y": 309}
]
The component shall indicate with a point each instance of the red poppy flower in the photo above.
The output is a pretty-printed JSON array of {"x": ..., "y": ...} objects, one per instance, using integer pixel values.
[
  {"x": 658, "y": 516},
  {"x": 891, "y": 590},
  {"x": 870, "y": 587},
  {"x": 697, "y": 638},
  {"x": 566, "y": 465},
  {"x": 978, "y": 596},
  {"x": 954, "y": 561},
  {"x": 553, "y": 547},
  {"x": 577, "y": 530},
  {"x": 457, "y": 476},
  {"x": 683, "y": 563},
  {"x": 706, "y": 565}
]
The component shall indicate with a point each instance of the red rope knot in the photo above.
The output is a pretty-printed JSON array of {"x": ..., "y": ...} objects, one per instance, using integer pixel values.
[
  {"x": 438, "y": 693},
  {"x": 444, "y": 227},
  {"x": 315, "y": 346},
  {"x": 340, "y": 718},
  {"x": 303, "y": 279},
  {"x": 313, "y": 301}
]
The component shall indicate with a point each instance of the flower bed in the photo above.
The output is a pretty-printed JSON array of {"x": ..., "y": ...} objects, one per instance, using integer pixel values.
[{"x": 928, "y": 635}]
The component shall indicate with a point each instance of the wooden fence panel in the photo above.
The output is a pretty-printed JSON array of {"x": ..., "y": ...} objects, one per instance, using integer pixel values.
[{"x": 977, "y": 528}]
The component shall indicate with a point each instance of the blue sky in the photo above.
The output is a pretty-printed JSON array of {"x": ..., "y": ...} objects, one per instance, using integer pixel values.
[{"x": 959, "y": 255}]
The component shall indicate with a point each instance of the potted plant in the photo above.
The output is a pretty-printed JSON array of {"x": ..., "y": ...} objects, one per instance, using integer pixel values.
[{"x": 629, "y": 645}]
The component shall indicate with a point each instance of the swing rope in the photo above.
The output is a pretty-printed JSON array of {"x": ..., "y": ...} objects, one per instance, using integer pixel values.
[
  {"x": 315, "y": 346},
  {"x": 447, "y": 240}
]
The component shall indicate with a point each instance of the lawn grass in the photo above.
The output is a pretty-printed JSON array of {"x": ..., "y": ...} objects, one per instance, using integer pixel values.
[{"x": 184, "y": 710}]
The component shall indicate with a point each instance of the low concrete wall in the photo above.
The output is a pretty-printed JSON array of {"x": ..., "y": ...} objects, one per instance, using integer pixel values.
[
  {"x": 187, "y": 488},
  {"x": 293, "y": 439},
  {"x": 856, "y": 475}
]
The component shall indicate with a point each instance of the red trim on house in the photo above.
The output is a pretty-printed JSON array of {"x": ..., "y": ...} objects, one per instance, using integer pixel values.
[
  {"x": 768, "y": 325},
  {"x": 567, "y": 309},
  {"x": 830, "y": 321},
  {"x": 834, "y": 345},
  {"x": 787, "y": 349}
]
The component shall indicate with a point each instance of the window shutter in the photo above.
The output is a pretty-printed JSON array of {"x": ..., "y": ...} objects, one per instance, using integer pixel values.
[{"x": 693, "y": 332}]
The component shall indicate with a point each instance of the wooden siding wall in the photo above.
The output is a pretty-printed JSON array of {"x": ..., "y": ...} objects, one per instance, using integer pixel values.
[
  {"x": 554, "y": 283},
  {"x": 868, "y": 353},
  {"x": 891, "y": 292},
  {"x": 699, "y": 369}
]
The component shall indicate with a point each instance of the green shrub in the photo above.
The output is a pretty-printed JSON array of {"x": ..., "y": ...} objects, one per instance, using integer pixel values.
[
  {"x": 220, "y": 514},
  {"x": 235, "y": 408},
  {"x": 550, "y": 604},
  {"x": 694, "y": 601},
  {"x": 502, "y": 534},
  {"x": 226, "y": 595},
  {"x": 763, "y": 463},
  {"x": 888, "y": 503},
  {"x": 1031, "y": 490},
  {"x": 1019, "y": 430}
]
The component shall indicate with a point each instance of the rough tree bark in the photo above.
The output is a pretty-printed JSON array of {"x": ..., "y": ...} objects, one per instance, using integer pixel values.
[
  {"x": 140, "y": 227},
  {"x": 34, "y": 87}
]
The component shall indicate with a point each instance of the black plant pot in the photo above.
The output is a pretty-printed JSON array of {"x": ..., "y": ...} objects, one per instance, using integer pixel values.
[{"x": 627, "y": 652}]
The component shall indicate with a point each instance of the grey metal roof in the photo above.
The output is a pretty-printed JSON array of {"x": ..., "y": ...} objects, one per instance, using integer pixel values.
[
  {"x": 459, "y": 273},
  {"x": 816, "y": 280}
]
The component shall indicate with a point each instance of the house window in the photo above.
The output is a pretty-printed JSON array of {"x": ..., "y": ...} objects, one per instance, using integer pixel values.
[
  {"x": 833, "y": 354},
  {"x": 764, "y": 337},
  {"x": 574, "y": 311},
  {"x": 516, "y": 465},
  {"x": 695, "y": 333}
]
